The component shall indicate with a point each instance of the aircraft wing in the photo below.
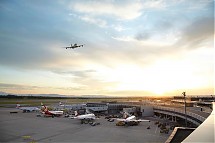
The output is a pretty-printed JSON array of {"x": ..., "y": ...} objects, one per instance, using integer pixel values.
[
  {"x": 29, "y": 108},
  {"x": 56, "y": 112},
  {"x": 123, "y": 120},
  {"x": 72, "y": 117},
  {"x": 37, "y": 109},
  {"x": 133, "y": 120},
  {"x": 140, "y": 120}
]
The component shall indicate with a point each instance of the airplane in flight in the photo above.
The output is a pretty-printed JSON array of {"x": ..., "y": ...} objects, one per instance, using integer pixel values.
[
  {"x": 27, "y": 109},
  {"x": 130, "y": 120},
  {"x": 74, "y": 46},
  {"x": 86, "y": 118},
  {"x": 52, "y": 114}
]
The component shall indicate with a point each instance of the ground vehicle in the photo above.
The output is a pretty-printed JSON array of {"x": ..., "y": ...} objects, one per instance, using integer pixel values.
[{"x": 120, "y": 123}]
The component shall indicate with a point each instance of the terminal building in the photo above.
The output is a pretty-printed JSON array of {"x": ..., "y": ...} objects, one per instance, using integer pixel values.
[
  {"x": 97, "y": 107},
  {"x": 112, "y": 108},
  {"x": 136, "y": 108}
]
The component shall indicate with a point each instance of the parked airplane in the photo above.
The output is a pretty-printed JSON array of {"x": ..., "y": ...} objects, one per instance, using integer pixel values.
[
  {"x": 27, "y": 109},
  {"x": 53, "y": 114},
  {"x": 65, "y": 105},
  {"x": 131, "y": 120},
  {"x": 74, "y": 46},
  {"x": 86, "y": 118}
]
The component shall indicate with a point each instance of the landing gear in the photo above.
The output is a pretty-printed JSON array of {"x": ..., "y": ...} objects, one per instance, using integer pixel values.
[
  {"x": 86, "y": 121},
  {"x": 82, "y": 121}
]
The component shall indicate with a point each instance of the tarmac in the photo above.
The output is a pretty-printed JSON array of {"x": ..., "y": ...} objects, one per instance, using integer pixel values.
[{"x": 28, "y": 128}]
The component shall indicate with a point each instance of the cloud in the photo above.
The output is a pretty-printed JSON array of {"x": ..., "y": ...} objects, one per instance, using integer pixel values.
[
  {"x": 142, "y": 36},
  {"x": 199, "y": 32},
  {"x": 4, "y": 86},
  {"x": 74, "y": 73},
  {"x": 124, "y": 38},
  {"x": 135, "y": 93},
  {"x": 93, "y": 20},
  {"x": 118, "y": 28},
  {"x": 102, "y": 13},
  {"x": 196, "y": 33},
  {"x": 155, "y": 4},
  {"x": 25, "y": 54},
  {"x": 123, "y": 11}
]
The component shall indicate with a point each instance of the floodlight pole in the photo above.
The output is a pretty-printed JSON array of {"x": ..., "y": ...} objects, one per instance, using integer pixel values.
[
  {"x": 185, "y": 111},
  {"x": 212, "y": 98}
]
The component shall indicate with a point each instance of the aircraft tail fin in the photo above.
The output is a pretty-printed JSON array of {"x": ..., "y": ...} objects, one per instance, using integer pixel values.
[
  {"x": 76, "y": 113},
  {"x": 61, "y": 104},
  {"x": 17, "y": 105},
  {"x": 44, "y": 108},
  {"x": 88, "y": 111},
  {"x": 126, "y": 115}
]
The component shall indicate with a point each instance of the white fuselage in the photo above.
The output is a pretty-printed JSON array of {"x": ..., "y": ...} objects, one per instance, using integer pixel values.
[
  {"x": 130, "y": 118},
  {"x": 29, "y": 109},
  {"x": 57, "y": 112},
  {"x": 86, "y": 116}
]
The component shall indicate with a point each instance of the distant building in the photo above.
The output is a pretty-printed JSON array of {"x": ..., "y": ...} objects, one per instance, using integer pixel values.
[
  {"x": 147, "y": 111},
  {"x": 97, "y": 107},
  {"x": 114, "y": 108},
  {"x": 204, "y": 100},
  {"x": 74, "y": 107}
]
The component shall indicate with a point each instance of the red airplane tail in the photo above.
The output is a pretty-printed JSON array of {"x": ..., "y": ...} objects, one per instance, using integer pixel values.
[{"x": 44, "y": 108}]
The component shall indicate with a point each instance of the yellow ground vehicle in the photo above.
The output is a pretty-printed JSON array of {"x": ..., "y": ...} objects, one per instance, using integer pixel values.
[
  {"x": 120, "y": 123},
  {"x": 132, "y": 123}
]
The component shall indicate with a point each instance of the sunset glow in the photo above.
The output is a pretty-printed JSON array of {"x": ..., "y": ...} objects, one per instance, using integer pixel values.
[{"x": 131, "y": 48}]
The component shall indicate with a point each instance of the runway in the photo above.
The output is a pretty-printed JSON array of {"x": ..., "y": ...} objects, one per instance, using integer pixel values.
[{"x": 26, "y": 127}]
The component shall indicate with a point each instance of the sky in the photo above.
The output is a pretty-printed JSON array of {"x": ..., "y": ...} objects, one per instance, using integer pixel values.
[{"x": 131, "y": 47}]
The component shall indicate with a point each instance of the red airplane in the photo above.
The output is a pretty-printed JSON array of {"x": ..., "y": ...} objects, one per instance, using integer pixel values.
[{"x": 53, "y": 114}]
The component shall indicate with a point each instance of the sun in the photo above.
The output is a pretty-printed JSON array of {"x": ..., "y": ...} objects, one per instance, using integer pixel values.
[{"x": 159, "y": 78}]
